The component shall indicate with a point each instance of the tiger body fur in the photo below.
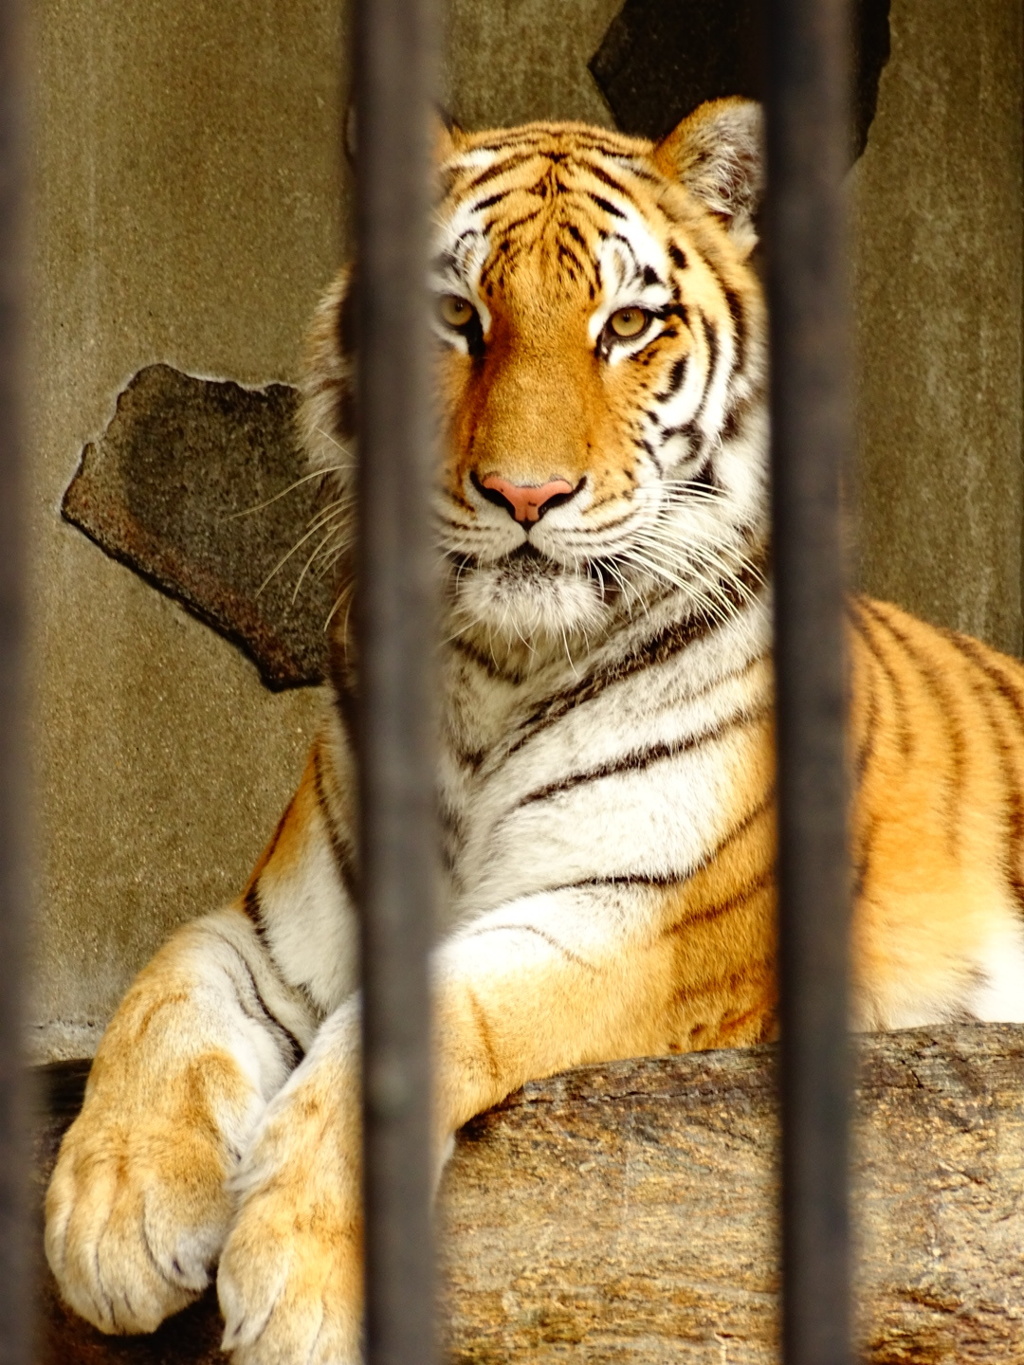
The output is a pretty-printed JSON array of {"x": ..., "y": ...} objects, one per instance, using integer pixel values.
[{"x": 606, "y": 777}]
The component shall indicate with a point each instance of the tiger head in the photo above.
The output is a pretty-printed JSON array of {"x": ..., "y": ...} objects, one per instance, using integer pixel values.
[{"x": 601, "y": 369}]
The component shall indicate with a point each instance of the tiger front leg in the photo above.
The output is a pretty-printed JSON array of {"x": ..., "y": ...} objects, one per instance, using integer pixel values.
[
  {"x": 545, "y": 983},
  {"x": 290, "y": 1278},
  {"x": 139, "y": 1203}
]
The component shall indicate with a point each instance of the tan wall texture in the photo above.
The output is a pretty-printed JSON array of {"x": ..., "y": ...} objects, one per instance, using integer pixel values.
[
  {"x": 937, "y": 284},
  {"x": 186, "y": 211}
]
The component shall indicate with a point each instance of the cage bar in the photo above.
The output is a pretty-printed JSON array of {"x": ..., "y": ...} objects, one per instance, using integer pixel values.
[
  {"x": 393, "y": 68},
  {"x": 15, "y": 1298},
  {"x": 807, "y": 135}
]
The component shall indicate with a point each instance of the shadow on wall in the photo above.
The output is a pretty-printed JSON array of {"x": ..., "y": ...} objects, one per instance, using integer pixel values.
[{"x": 661, "y": 58}]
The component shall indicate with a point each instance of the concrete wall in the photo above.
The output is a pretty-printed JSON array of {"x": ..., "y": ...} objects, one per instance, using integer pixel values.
[
  {"x": 186, "y": 211},
  {"x": 937, "y": 281}
]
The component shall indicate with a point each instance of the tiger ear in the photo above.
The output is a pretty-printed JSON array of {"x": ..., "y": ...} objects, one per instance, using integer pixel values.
[{"x": 716, "y": 152}]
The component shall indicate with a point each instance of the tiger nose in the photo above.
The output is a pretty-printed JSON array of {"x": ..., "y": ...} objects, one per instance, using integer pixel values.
[{"x": 526, "y": 502}]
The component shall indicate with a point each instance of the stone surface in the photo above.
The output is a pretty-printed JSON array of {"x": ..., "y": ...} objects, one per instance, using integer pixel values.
[
  {"x": 626, "y": 1213},
  {"x": 517, "y": 60},
  {"x": 194, "y": 485}
]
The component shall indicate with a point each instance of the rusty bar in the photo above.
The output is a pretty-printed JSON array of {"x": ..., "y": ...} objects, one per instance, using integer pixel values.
[
  {"x": 15, "y": 1298},
  {"x": 394, "y": 60},
  {"x": 807, "y": 136}
]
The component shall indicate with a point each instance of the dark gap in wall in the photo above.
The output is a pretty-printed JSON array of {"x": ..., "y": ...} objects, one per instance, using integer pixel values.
[{"x": 661, "y": 58}]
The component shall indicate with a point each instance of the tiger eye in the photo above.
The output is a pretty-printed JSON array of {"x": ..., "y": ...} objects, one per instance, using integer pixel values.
[
  {"x": 628, "y": 322},
  {"x": 453, "y": 311}
]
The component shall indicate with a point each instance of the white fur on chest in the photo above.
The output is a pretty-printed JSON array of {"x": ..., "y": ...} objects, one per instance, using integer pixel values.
[{"x": 636, "y": 780}]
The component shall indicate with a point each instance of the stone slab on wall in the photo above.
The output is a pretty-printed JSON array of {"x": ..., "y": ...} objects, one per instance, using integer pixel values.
[{"x": 193, "y": 485}]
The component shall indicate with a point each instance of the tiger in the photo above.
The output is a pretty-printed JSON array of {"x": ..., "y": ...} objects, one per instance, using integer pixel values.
[{"x": 606, "y": 778}]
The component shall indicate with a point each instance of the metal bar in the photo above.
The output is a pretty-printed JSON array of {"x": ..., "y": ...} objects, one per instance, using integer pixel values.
[
  {"x": 15, "y": 1318},
  {"x": 807, "y": 136},
  {"x": 394, "y": 60}
]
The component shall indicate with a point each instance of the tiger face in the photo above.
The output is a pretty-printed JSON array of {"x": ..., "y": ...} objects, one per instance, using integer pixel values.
[
  {"x": 600, "y": 372},
  {"x": 600, "y": 376}
]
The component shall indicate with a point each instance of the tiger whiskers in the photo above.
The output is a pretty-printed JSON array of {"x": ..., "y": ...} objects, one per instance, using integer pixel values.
[
  {"x": 682, "y": 491},
  {"x": 715, "y": 547},
  {"x": 568, "y": 653},
  {"x": 306, "y": 567},
  {"x": 629, "y": 593},
  {"x": 509, "y": 620},
  {"x": 331, "y": 439},
  {"x": 335, "y": 516},
  {"x": 348, "y": 596},
  {"x": 693, "y": 588},
  {"x": 526, "y": 642},
  {"x": 462, "y": 630},
  {"x": 687, "y": 570},
  {"x": 297, "y": 483}
]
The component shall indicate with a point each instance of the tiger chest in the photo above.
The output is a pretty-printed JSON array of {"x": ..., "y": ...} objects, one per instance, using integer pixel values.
[{"x": 631, "y": 784}]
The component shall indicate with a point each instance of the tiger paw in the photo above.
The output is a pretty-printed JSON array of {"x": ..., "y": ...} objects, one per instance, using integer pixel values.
[
  {"x": 290, "y": 1277},
  {"x": 136, "y": 1214},
  {"x": 290, "y": 1282}
]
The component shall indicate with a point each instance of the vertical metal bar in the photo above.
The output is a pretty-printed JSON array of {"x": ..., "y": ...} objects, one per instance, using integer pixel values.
[
  {"x": 808, "y": 132},
  {"x": 15, "y": 1315},
  {"x": 394, "y": 58}
]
